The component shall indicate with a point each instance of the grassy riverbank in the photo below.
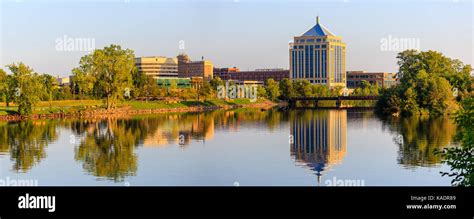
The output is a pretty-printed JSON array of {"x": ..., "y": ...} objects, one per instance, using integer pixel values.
[{"x": 77, "y": 106}]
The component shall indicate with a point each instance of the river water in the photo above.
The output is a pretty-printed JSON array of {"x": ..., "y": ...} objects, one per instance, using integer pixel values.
[{"x": 245, "y": 147}]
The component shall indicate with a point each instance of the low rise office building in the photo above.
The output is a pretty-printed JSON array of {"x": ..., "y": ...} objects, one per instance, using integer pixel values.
[
  {"x": 260, "y": 75},
  {"x": 188, "y": 68},
  {"x": 157, "y": 66},
  {"x": 382, "y": 79}
]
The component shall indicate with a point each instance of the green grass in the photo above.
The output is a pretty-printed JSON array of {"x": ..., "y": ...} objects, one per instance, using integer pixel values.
[
  {"x": 57, "y": 106},
  {"x": 188, "y": 103},
  {"x": 8, "y": 111},
  {"x": 152, "y": 104},
  {"x": 72, "y": 106}
]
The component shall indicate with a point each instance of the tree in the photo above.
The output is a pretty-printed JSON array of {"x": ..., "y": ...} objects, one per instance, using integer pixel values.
[
  {"x": 189, "y": 93},
  {"x": 319, "y": 90},
  {"x": 273, "y": 90},
  {"x": 302, "y": 88},
  {"x": 366, "y": 89},
  {"x": 26, "y": 86},
  {"x": 48, "y": 82},
  {"x": 83, "y": 80},
  {"x": 6, "y": 87},
  {"x": 460, "y": 159},
  {"x": 286, "y": 89},
  {"x": 262, "y": 92},
  {"x": 426, "y": 84},
  {"x": 215, "y": 82},
  {"x": 3, "y": 85},
  {"x": 112, "y": 67},
  {"x": 64, "y": 93},
  {"x": 150, "y": 88},
  {"x": 206, "y": 90},
  {"x": 173, "y": 88}
]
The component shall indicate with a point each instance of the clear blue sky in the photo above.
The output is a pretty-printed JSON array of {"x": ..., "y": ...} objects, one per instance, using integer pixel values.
[{"x": 248, "y": 34}]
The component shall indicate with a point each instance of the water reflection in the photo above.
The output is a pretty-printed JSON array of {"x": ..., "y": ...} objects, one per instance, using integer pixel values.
[
  {"x": 419, "y": 136},
  {"x": 320, "y": 138},
  {"x": 107, "y": 148},
  {"x": 25, "y": 142}
]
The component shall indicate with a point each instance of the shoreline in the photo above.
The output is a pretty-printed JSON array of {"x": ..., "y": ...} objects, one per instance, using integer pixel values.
[{"x": 127, "y": 111}]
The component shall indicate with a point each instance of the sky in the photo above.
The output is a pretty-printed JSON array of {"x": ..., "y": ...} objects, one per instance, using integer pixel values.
[{"x": 248, "y": 34}]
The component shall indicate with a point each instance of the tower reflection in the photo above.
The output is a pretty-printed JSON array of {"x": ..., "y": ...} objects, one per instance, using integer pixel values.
[{"x": 320, "y": 139}]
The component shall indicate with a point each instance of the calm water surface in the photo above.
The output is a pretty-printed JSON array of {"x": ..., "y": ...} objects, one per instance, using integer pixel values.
[{"x": 226, "y": 148}]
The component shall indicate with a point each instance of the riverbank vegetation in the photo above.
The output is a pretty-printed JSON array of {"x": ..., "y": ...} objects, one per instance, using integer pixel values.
[
  {"x": 461, "y": 159},
  {"x": 429, "y": 83},
  {"x": 107, "y": 79}
]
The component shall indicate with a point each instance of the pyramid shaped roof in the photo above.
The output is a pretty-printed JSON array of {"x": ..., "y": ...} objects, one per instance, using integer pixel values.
[{"x": 318, "y": 30}]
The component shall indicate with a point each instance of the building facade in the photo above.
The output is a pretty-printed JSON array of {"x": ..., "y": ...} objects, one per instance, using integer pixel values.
[
  {"x": 224, "y": 73},
  {"x": 64, "y": 81},
  {"x": 261, "y": 75},
  {"x": 188, "y": 68},
  {"x": 318, "y": 56},
  {"x": 157, "y": 66},
  {"x": 382, "y": 79}
]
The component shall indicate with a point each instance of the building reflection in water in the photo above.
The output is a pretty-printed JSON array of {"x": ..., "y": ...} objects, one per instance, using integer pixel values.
[
  {"x": 181, "y": 129},
  {"x": 319, "y": 139}
]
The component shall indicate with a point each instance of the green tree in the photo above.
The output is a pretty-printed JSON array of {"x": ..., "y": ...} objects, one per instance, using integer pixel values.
[
  {"x": 461, "y": 159},
  {"x": 64, "y": 93},
  {"x": 302, "y": 88},
  {"x": 262, "y": 92},
  {"x": 49, "y": 85},
  {"x": 172, "y": 89},
  {"x": 286, "y": 89},
  {"x": 426, "y": 84},
  {"x": 3, "y": 85},
  {"x": 26, "y": 86},
  {"x": 150, "y": 88},
  {"x": 83, "y": 80},
  {"x": 9, "y": 90},
  {"x": 215, "y": 82},
  {"x": 112, "y": 67},
  {"x": 205, "y": 91},
  {"x": 273, "y": 90},
  {"x": 319, "y": 90}
]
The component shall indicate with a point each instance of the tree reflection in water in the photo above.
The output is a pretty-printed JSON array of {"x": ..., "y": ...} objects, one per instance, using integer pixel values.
[
  {"x": 418, "y": 137},
  {"x": 26, "y": 142},
  {"x": 107, "y": 147}
]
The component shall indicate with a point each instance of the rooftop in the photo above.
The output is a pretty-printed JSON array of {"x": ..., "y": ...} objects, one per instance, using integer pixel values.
[{"x": 318, "y": 30}]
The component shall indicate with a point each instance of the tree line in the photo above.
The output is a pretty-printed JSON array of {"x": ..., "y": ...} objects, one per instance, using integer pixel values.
[
  {"x": 108, "y": 74},
  {"x": 429, "y": 83}
]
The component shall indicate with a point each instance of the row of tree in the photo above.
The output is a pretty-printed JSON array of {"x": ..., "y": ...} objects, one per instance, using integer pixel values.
[
  {"x": 107, "y": 73},
  {"x": 429, "y": 83}
]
